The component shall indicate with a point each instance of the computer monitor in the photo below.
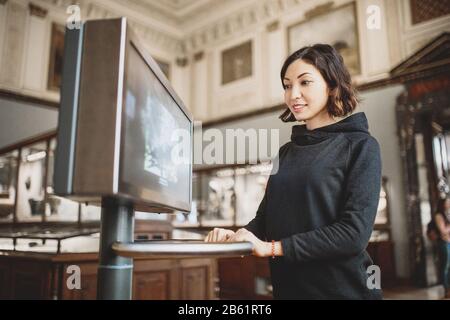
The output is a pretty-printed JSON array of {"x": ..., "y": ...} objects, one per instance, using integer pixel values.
[{"x": 123, "y": 131}]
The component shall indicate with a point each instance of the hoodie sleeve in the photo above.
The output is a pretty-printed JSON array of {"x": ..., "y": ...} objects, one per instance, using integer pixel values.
[{"x": 349, "y": 235}]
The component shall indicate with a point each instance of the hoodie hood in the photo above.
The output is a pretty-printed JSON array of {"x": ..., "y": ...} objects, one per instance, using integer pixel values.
[{"x": 354, "y": 123}]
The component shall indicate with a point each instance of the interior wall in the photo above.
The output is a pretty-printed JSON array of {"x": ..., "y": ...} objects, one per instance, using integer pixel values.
[{"x": 20, "y": 121}]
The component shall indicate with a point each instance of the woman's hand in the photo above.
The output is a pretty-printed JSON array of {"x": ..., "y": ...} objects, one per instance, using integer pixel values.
[
  {"x": 219, "y": 235},
  {"x": 260, "y": 248}
]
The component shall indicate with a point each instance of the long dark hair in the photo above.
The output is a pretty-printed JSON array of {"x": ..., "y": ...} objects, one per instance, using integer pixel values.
[{"x": 343, "y": 97}]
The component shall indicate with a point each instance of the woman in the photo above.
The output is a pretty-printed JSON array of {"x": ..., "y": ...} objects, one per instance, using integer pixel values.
[
  {"x": 442, "y": 219},
  {"x": 317, "y": 214}
]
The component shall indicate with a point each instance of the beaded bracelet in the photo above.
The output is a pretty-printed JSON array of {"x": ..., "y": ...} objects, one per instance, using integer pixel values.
[{"x": 273, "y": 249}]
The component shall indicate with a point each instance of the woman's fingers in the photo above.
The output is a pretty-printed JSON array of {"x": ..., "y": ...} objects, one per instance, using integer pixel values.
[
  {"x": 227, "y": 234},
  {"x": 215, "y": 234},
  {"x": 209, "y": 237},
  {"x": 219, "y": 235}
]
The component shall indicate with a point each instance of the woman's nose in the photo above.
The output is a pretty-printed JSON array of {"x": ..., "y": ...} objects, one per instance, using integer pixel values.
[{"x": 296, "y": 93}]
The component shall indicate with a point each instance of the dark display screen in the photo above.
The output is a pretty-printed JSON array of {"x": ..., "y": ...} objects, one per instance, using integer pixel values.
[{"x": 157, "y": 147}]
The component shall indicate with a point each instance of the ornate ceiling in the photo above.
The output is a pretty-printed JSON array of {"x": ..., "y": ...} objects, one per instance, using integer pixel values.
[
  {"x": 177, "y": 8},
  {"x": 186, "y": 25},
  {"x": 183, "y": 14}
]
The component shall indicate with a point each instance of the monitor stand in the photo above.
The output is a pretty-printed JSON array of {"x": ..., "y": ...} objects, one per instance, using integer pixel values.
[
  {"x": 118, "y": 248},
  {"x": 115, "y": 272}
]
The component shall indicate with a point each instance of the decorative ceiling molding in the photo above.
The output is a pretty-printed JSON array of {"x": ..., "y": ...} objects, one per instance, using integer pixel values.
[
  {"x": 262, "y": 11},
  {"x": 153, "y": 11},
  {"x": 176, "y": 9},
  {"x": 318, "y": 10},
  {"x": 170, "y": 23},
  {"x": 95, "y": 9},
  {"x": 182, "y": 62},
  {"x": 37, "y": 11},
  {"x": 273, "y": 26},
  {"x": 163, "y": 38},
  {"x": 199, "y": 55}
]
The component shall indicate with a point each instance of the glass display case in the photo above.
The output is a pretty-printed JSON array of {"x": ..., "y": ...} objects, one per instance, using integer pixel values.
[
  {"x": 31, "y": 183},
  {"x": 250, "y": 184},
  {"x": 58, "y": 208},
  {"x": 225, "y": 197},
  {"x": 221, "y": 197},
  {"x": 8, "y": 177},
  {"x": 27, "y": 190},
  {"x": 229, "y": 197}
]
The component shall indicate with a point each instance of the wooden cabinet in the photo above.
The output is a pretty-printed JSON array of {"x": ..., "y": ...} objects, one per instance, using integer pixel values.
[
  {"x": 88, "y": 279},
  {"x": 5, "y": 271},
  {"x": 197, "y": 279},
  {"x": 46, "y": 277},
  {"x": 244, "y": 278},
  {"x": 24, "y": 278},
  {"x": 155, "y": 280},
  {"x": 152, "y": 285}
]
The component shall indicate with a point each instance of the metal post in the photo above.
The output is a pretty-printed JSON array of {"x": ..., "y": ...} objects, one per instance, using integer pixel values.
[{"x": 115, "y": 273}]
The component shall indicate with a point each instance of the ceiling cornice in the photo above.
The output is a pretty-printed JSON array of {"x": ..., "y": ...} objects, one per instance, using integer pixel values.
[
  {"x": 165, "y": 36},
  {"x": 187, "y": 26},
  {"x": 255, "y": 13}
]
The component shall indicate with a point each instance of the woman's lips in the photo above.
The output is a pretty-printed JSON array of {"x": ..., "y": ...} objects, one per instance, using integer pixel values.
[{"x": 298, "y": 107}]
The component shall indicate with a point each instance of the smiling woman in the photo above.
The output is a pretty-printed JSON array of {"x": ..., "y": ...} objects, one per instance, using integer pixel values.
[{"x": 318, "y": 211}]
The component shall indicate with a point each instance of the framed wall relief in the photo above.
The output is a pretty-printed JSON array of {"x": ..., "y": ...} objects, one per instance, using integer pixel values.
[
  {"x": 56, "y": 57},
  {"x": 237, "y": 62},
  {"x": 336, "y": 26}
]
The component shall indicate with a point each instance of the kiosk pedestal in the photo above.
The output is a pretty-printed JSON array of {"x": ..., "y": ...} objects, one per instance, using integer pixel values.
[
  {"x": 114, "y": 272},
  {"x": 118, "y": 249}
]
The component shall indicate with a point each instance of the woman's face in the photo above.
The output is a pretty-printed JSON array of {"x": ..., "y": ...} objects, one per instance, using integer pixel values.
[{"x": 306, "y": 91}]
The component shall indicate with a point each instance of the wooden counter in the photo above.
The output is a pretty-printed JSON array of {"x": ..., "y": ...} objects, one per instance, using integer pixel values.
[
  {"x": 43, "y": 275},
  {"x": 26, "y": 275}
]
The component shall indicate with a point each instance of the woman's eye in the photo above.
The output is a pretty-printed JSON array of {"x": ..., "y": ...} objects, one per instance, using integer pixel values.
[
  {"x": 287, "y": 86},
  {"x": 306, "y": 82}
]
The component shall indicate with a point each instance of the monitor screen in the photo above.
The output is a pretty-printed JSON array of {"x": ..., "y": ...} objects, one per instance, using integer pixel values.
[{"x": 155, "y": 156}]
